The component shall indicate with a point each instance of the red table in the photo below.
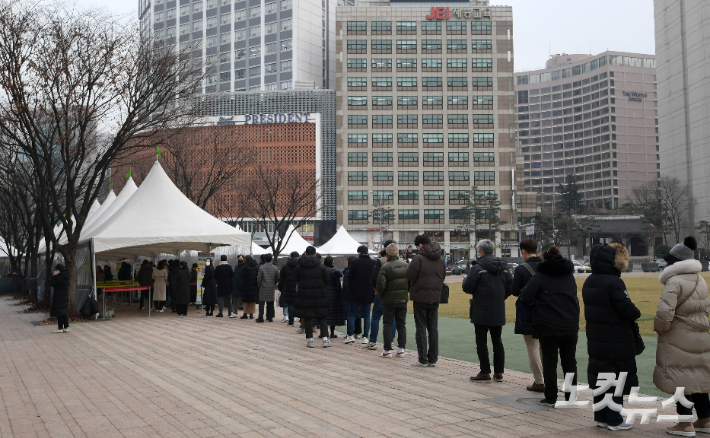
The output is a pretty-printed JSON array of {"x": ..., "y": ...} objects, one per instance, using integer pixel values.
[{"x": 126, "y": 289}]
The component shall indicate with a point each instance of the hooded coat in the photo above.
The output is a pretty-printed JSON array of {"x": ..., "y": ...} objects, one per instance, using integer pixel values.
[
  {"x": 334, "y": 291},
  {"x": 426, "y": 274},
  {"x": 125, "y": 273},
  {"x": 182, "y": 286},
  {"x": 209, "y": 297},
  {"x": 523, "y": 312},
  {"x": 609, "y": 313},
  {"x": 488, "y": 283},
  {"x": 683, "y": 352},
  {"x": 553, "y": 293},
  {"x": 250, "y": 288},
  {"x": 267, "y": 278},
  {"x": 392, "y": 284},
  {"x": 313, "y": 278},
  {"x": 223, "y": 275},
  {"x": 359, "y": 286},
  {"x": 60, "y": 295},
  {"x": 237, "y": 283},
  {"x": 144, "y": 277},
  {"x": 160, "y": 279},
  {"x": 287, "y": 284}
]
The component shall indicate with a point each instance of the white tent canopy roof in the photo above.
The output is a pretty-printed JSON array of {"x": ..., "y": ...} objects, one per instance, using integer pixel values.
[
  {"x": 59, "y": 229},
  {"x": 128, "y": 190},
  {"x": 6, "y": 249},
  {"x": 158, "y": 218},
  {"x": 295, "y": 243},
  {"x": 107, "y": 203},
  {"x": 341, "y": 243},
  {"x": 256, "y": 250}
]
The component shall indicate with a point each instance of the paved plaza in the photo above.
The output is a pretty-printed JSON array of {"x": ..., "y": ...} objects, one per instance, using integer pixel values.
[{"x": 194, "y": 376}]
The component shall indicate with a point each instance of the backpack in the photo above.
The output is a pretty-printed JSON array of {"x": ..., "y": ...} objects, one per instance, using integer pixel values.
[{"x": 444, "y": 294}]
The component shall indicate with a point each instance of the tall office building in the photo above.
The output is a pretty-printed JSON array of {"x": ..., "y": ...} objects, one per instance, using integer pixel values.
[
  {"x": 425, "y": 111},
  {"x": 591, "y": 116},
  {"x": 684, "y": 99},
  {"x": 249, "y": 45}
]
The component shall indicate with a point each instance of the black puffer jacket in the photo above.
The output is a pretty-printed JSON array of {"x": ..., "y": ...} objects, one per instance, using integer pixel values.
[
  {"x": 287, "y": 284},
  {"x": 60, "y": 294},
  {"x": 209, "y": 296},
  {"x": 237, "y": 282},
  {"x": 523, "y": 312},
  {"x": 126, "y": 272},
  {"x": 250, "y": 287},
  {"x": 359, "y": 283},
  {"x": 489, "y": 284},
  {"x": 553, "y": 293},
  {"x": 223, "y": 274},
  {"x": 313, "y": 278},
  {"x": 609, "y": 312},
  {"x": 335, "y": 305}
]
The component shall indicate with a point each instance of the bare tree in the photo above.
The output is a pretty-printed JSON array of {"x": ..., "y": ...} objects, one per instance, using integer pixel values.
[
  {"x": 675, "y": 202},
  {"x": 278, "y": 197},
  {"x": 67, "y": 76},
  {"x": 646, "y": 200}
]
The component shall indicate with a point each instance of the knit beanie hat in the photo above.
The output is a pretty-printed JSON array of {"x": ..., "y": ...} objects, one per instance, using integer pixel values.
[
  {"x": 392, "y": 249},
  {"x": 682, "y": 251}
]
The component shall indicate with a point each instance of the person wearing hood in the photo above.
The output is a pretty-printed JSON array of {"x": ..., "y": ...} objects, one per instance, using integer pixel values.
[
  {"x": 287, "y": 285},
  {"x": 183, "y": 279},
  {"x": 267, "y": 278},
  {"x": 488, "y": 283},
  {"x": 108, "y": 275},
  {"x": 125, "y": 272},
  {"x": 223, "y": 275},
  {"x": 311, "y": 299},
  {"x": 173, "y": 269},
  {"x": 555, "y": 321},
  {"x": 426, "y": 274},
  {"x": 145, "y": 279},
  {"x": 60, "y": 298},
  {"x": 377, "y": 308},
  {"x": 237, "y": 284},
  {"x": 158, "y": 277},
  {"x": 250, "y": 287},
  {"x": 610, "y": 313},
  {"x": 193, "y": 283},
  {"x": 209, "y": 297},
  {"x": 336, "y": 317},
  {"x": 523, "y": 312},
  {"x": 392, "y": 289},
  {"x": 361, "y": 295},
  {"x": 683, "y": 351}
]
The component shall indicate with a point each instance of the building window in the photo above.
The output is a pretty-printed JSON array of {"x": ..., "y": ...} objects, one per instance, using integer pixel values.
[
  {"x": 482, "y": 64},
  {"x": 433, "y": 216},
  {"x": 382, "y": 138},
  {"x": 184, "y": 29},
  {"x": 270, "y": 8},
  {"x": 434, "y": 195},
  {"x": 433, "y": 138},
  {"x": 431, "y": 63},
  {"x": 286, "y": 4},
  {"x": 458, "y": 101},
  {"x": 357, "y": 120},
  {"x": 212, "y": 41},
  {"x": 386, "y": 176},
  {"x": 383, "y": 196},
  {"x": 385, "y": 119},
  {"x": 212, "y": 79},
  {"x": 407, "y": 157},
  {"x": 459, "y": 176},
  {"x": 456, "y": 63},
  {"x": 211, "y": 4},
  {"x": 359, "y": 196},
  {"x": 409, "y": 216},
  {"x": 483, "y": 119},
  {"x": 170, "y": 33},
  {"x": 484, "y": 157},
  {"x": 357, "y": 177},
  {"x": 240, "y": 74},
  {"x": 255, "y": 11},
  {"x": 432, "y": 119},
  {"x": 270, "y": 28},
  {"x": 407, "y": 100},
  {"x": 357, "y": 46},
  {"x": 381, "y": 157},
  {"x": 481, "y": 27},
  {"x": 224, "y": 18},
  {"x": 406, "y": 26},
  {"x": 381, "y": 26},
  {"x": 254, "y": 71},
  {"x": 211, "y": 22},
  {"x": 487, "y": 178},
  {"x": 458, "y": 139},
  {"x": 381, "y": 83},
  {"x": 433, "y": 100},
  {"x": 381, "y": 63},
  {"x": 357, "y": 63},
  {"x": 357, "y": 216},
  {"x": 431, "y": 27},
  {"x": 170, "y": 14},
  {"x": 359, "y": 139},
  {"x": 407, "y": 138},
  {"x": 240, "y": 15},
  {"x": 456, "y": 27},
  {"x": 431, "y": 82},
  {"x": 271, "y": 87},
  {"x": 224, "y": 76},
  {"x": 197, "y": 26},
  {"x": 408, "y": 195},
  {"x": 458, "y": 157},
  {"x": 457, "y": 82},
  {"x": 196, "y": 7},
  {"x": 355, "y": 27},
  {"x": 455, "y": 45},
  {"x": 356, "y": 101},
  {"x": 481, "y": 45},
  {"x": 431, "y": 45},
  {"x": 408, "y": 177},
  {"x": 357, "y": 82},
  {"x": 483, "y": 140},
  {"x": 270, "y": 48},
  {"x": 433, "y": 158},
  {"x": 271, "y": 69},
  {"x": 381, "y": 101},
  {"x": 286, "y": 65},
  {"x": 406, "y": 45},
  {"x": 285, "y": 45},
  {"x": 407, "y": 82},
  {"x": 286, "y": 25},
  {"x": 224, "y": 57},
  {"x": 240, "y": 35},
  {"x": 407, "y": 119},
  {"x": 458, "y": 119},
  {"x": 225, "y": 38},
  {"x": 381, "y": 46},
  {"x": 254, "y": 51}
]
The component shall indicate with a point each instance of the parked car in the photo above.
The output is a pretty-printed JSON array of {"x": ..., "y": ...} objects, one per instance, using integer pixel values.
[
  {"x": 582, "y": 268},
  {"x": 457, "y": 268}
]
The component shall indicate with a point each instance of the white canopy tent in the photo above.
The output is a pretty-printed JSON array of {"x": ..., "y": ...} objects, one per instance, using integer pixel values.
[
  {"x": 59, "y": 229},
  {"x": 295, "y": 243},
  {"x": 256, "y": 250},
  {"x": 6, "y": 250},
  {"x": 341, "y": 243},
  {"x": 107, "y": 203},
  {"x": 158, "y": 218},
  {"x": 128, "y": 190}
]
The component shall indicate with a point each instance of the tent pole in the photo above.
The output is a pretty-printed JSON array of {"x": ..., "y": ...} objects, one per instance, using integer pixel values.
[{"x": 93, "y": 270}]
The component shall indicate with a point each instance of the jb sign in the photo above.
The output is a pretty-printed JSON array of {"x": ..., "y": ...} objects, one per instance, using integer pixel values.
[{"x": 445, "y": 13}]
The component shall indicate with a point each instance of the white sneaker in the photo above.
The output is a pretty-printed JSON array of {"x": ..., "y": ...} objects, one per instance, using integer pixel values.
[
  {"x": 66, "y": 330},
  {"x": 371, "y": 346},
  {"x": 602, "y": 424},
  {"x": 358, "y": 336},
  {"x": 364, "y": 340},
  {"x": 233, "y": 315},
  {"x": 284, "y": 319},
  {"x": 386, "y": 354},
  {"x": 327, "y": 343},
  {"x": 58, "y": 331},
  {"x": 622, "y": 426},
  {"x": 419, "y": 364},
  {"x": 400, "y": 352},
  {"x": 349, "y": 340}
]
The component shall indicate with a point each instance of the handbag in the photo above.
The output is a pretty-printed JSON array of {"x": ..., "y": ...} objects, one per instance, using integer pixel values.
[
  {"x": 444, "y": 294},
  {"x": 638, "y": 340}
]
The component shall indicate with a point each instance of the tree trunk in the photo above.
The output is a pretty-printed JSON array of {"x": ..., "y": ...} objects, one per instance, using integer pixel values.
[
  {"x": 569, "y": 239},
  {"x": 34, "y": 295},
  {"x": 70, "y": 263}
]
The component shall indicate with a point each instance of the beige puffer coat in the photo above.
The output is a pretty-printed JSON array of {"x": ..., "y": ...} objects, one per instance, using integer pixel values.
[
  {"x": 160, "y": 276},
  {"x": 683, "y": 353}
]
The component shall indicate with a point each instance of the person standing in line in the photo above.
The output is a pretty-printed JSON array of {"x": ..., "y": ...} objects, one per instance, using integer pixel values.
[
  {"x": 336, "y": 317},
  {"x": 287, "y": 285},
  {"x": 173, "y": 269},
  {"x": 377, "y": 308},
  {"x": 250, "y": 287},
  {"x": 193, "y": 283},
  {"x": 408, "y": 256},
  {"x": 392, "y": 289},
  {"x": 60, "y": 298},
  {"x": 267, "y": 278},
  {"x": 209, "y": 296},
  {"x": 125, "y": 273},
  {"x": 237, "y": 284},
  {"x": 311, "y": 299},
  {"x": 553, "y": 294},
  {"x": 223, "y": 274},
  {"x": 683, "y": 352},
  {"x": 523, "y": 312},
  {"x": 108, "y": 275},
  {"x": 99, "y": 274},
  {"x": 156, "y": 277},
  {"x": 610, "y": 313},
  {"x": 144, "y": 279},
  {"x": 426, "y": 274},
  {"x": 488, "y": 283},
  {"x": 361, "y": 295},
  {"x": 183, "y": 278}
]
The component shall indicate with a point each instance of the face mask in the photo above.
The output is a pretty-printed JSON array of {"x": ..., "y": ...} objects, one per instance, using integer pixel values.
[{"x": 207, "y": 263}]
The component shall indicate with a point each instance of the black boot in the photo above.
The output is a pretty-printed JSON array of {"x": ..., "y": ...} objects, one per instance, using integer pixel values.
[
  {"x": 251, "y": 316},
  {"x": 245, "y": 316}
]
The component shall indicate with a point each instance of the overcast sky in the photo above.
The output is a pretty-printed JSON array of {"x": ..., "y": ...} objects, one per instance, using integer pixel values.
[{"x": 552, "y": 26}]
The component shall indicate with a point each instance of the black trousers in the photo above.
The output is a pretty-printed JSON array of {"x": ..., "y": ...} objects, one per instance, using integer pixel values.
[
  {"x": 391, "y": 313},
  {"x": 228, "y": 299},
  {"x": 566, "y": 346},
  {"x": 62, "y": 322},
  {"x": 144, "y": 297},
  {"x": 482, "y": 348},
  {"x": 426, "y": 321},
  {"x": 702, "y": 406},
  {"x": 270, "y": 312},
  {"x": 308, "y": 324},
  {"x": 181, "y": 309},
  {"x": 209, "y": 308},
  {"x": 159, "y": 304}
]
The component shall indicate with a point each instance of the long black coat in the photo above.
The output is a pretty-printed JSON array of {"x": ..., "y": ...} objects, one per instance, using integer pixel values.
[
  {"x": 193, "y": 287},
  {"x": 250, "y": 287},
  {"x": 172, "y": 280},
  {"x": 60, "y": 297},
  {"x": 489, "y": 285},
  {"x": 287, "y": 284},
  {"x": 609, "y": 312},
  {"x": 313, "y": 278},
  {"x": 237, "y": 284},
  {"x": 223, "y": 274},
  {"x": 126, "y": 272},
  {"x": 182, "y": 286},
  {"x": 209, "y": 297},
  {"x": 523, "y": 312},
  {"x": 335, "y": 305},
  {"x": 359, "y": 282}
]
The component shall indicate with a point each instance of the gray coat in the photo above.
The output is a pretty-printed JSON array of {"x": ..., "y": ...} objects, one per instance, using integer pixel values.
[{"x": 267, "y": 280}]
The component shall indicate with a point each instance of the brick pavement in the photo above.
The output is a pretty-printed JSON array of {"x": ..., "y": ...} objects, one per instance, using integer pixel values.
[{"x": 197, "y": 376}]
